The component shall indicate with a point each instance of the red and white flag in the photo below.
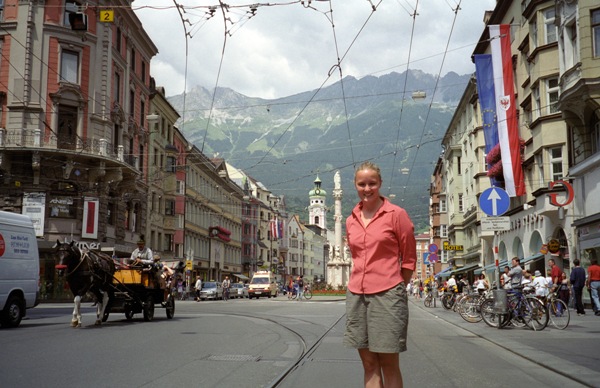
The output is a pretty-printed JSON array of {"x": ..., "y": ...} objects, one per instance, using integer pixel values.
[
  {"x": 89, "y": 228},
  {"x": 508, "y": 126}
]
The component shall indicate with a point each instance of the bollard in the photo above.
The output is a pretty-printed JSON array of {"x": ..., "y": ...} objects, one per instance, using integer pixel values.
[{"x": 500, "y": 301}]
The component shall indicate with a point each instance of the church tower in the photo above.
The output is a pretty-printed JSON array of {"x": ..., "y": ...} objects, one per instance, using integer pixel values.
[{"x": 317, "y": 211}]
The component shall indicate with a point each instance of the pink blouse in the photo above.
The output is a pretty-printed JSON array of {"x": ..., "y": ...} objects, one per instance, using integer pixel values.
[{"x": 380, "y": 250}]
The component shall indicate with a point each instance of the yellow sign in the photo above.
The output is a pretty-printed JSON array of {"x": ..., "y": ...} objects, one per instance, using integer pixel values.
[
  {"x": 107, "y": 16},
  {"x": 448, "y": 247},
  {"x": 553, "y": 246},
  {"x": 189, "y": 264}
]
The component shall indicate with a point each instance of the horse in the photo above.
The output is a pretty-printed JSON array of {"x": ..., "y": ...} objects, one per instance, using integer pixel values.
[{"x": 86, "y": 271}]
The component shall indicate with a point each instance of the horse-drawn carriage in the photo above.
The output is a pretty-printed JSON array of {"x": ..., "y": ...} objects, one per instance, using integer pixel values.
[
  {"x": 138, "y": 290},
  {"x": 116, "y": 288}
]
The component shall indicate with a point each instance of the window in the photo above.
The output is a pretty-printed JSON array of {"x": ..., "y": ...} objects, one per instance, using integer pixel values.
[
  {"x": 443, "y": 205},
  {"x": 1, "y": 10},
  {"x": 533, "y": 34},
  {"x": 131, "y": 102},
  {"x": 143, "y": 71},
  {"x": 142, "y": 115},
  {"x": 67, "y": 127},
  {"x": 550, "y": 28},
  {"x": 168, "y": 247},
  {"x": 180, "y": 187},
  {"x": 169, "y": 207},
  {"x": 443, "y": 230},
  {"x": 596, "y": 31},
  {"x": 70, "y": 7},
  {"x": 556, "y": 163},
  {"x": 118, "y": 40},
  {"x": 458, "y": 165},
  {"x": 537, "y": 103},
  {"x": 552, "y": 95},
  {"x": 171, "y": 164},
  {"x": 132, "y": 60},
  {"x": 117, "y": 88},
  {"x": 539, "y": 161},
  {"x": 596, "y": 137},
  {"x": 69, "y": 66},
  {"x": 461, "y": 207}
]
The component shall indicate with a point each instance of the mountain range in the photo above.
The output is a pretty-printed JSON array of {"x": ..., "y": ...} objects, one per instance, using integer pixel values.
[{"x": 397, "y": 120}]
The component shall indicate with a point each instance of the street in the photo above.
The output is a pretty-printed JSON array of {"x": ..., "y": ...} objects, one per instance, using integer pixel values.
[{"x": 276, "y": 342}]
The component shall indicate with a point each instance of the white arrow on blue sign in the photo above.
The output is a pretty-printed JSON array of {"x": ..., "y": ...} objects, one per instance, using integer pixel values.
[{"x": 494, "y": 201}]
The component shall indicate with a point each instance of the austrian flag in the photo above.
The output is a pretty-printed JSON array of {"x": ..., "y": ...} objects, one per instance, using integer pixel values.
[{"x": 506, "y": 112}]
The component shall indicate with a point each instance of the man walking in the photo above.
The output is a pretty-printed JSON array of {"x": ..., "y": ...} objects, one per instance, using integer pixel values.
[
  {"x": 593, "y": 283},
  {"x": 578, "y": 281},
  {"x": 300, "y": 287}
]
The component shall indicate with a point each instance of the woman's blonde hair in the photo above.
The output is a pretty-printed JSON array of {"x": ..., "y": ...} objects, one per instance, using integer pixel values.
[{"x": 368, "y": 166}]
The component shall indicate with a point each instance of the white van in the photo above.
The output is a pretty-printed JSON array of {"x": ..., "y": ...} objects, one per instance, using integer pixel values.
[
  {"x": 19, "y": 268},
  {"x": 263, "y": 283}
]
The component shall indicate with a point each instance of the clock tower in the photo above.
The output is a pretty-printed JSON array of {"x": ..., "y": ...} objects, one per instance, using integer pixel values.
[{"x": 317, "y": 211}]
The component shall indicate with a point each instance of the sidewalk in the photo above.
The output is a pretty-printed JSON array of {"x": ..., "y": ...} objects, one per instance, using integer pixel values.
[{"x": 572, "y": 352}]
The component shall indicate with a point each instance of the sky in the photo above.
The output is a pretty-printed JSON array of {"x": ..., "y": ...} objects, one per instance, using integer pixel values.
[{"x": 284, "y": 47}]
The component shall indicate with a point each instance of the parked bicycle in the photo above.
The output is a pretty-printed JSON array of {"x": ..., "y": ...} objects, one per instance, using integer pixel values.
[
  {"x": 558, "y": 311},
  {"x": 523, "y": 310}
]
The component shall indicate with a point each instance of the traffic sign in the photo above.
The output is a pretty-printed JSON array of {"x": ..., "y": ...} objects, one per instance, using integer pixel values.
[
  {"x": 433, "y": 248},
  {"x": 494, "y": 201},
  {"x": 433, "y": 258},
  {"x": 489, "y": 224},
  {"x": 425, "y": 258}
]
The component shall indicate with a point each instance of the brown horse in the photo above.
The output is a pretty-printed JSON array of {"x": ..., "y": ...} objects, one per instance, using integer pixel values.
[{"x": 86, "y": 271}]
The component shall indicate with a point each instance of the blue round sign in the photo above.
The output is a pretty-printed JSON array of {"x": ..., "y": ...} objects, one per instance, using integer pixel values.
[
  {"x": 433, "y": 258},
  {"x": 494, "y": 201},
  {"x": 433, "y": 248}
]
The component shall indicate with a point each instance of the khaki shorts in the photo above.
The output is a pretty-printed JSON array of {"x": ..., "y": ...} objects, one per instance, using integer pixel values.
[{"x": 378, "y": 322}]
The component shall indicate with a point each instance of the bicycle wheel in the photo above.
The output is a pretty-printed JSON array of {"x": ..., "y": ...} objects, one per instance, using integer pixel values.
[
  {"x": 307, "y": 294},
  {"x": 559, "y": 314},
  {"x": 488, "y": 315},
  {"x": 535, "y": 314},
  {"x": 469, "y": 309},
  {"x": 447, "y": 301},
  {"x": 427, "y": 301}
]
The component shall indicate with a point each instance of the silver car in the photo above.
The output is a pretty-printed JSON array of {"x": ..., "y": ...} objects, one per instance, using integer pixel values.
[
  {"x": 238, "y": 290},
  {"x": 211, "y": 290}
]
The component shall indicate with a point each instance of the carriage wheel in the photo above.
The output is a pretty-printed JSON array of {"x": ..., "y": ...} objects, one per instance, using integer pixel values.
[
  {"x": 170, "y": 306},
  {"x": 129, "y": 314},
  {"x": 149, "y": 309}
]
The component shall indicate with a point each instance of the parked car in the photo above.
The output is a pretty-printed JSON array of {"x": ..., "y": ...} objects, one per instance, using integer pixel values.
[
  {"x": 238, "y": 290},
  {"x": 211, "y": 290}
]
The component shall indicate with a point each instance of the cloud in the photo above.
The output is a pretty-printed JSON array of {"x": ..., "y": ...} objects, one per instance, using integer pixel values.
[{"x": 287, "y": 49}]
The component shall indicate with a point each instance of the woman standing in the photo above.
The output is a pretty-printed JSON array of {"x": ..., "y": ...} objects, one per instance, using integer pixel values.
[{"x": 381, "y": 239}]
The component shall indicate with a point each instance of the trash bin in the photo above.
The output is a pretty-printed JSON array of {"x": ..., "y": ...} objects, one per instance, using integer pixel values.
[{"x": 500, "y": 301}]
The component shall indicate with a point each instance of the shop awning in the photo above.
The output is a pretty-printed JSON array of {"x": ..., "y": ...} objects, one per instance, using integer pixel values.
[
  {"x": 464, "y": 269},
  {"x": 532, "y": 258},
  {"x": 492, "y": 267},
  {"x": 445, "y": 272},
  {"x": 240, "y": 276}
]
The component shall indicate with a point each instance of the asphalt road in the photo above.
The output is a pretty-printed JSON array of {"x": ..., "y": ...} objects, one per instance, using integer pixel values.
[{"x": 264, "y": 343}]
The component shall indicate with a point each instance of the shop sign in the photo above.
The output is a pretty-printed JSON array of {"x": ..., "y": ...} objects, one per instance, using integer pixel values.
[{"x": 553, "y": 246}]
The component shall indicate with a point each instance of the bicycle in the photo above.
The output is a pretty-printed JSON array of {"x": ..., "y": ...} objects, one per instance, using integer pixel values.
[
  {"x": 469, "y": 307},
  {"x": 225, "y": 295},
  {"x": 307, "y": 293},
  {"x": 523, "y": 310},
  {"x": 428, "y": 301},
  {"x": 558, "y": 311}
]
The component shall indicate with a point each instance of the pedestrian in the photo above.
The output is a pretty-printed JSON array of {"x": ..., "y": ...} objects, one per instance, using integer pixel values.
[
  {"x": 506, "y": 278},
  {"x": 516, "y": 273},
  {"x": 290, "y": 287},
  {"x": 382, "y": 242},
  {"x": 300, "y": 287},
  {"x": 556, "y": 273},
  {"x": 198, "y": 288},
  {"x": 564, "y": 292},
  {"x": 482, "y": 284},
  {"x": 415, "y": 288},
  {"x": 540, "y": 284},
  {"x": 593, "y": 282},
  {"x": 577, "y": 279}
]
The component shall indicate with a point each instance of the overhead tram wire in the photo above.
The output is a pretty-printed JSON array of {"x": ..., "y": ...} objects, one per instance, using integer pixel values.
[
  {"x": 373, "y": 9},
  {"x": 412, "y": 34},
  {"x": 434, "y": 90}
]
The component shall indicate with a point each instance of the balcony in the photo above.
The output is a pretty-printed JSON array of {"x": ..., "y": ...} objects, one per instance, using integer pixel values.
[{"x": 32, "y": 139}]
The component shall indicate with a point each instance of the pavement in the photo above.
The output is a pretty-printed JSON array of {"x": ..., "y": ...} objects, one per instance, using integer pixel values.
[{"x": 572, "y": 352}]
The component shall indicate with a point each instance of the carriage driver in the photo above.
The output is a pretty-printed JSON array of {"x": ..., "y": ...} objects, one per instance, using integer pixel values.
[{"x": 142, "y": 255}]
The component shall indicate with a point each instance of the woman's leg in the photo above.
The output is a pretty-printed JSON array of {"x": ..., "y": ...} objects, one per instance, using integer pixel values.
[
  {"x": 372, "y": 369},
  {"x": 381, "y": 369}
]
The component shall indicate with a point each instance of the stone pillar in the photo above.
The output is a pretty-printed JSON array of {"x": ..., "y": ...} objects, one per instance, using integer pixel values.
[{"x": 338, "y": 268}]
